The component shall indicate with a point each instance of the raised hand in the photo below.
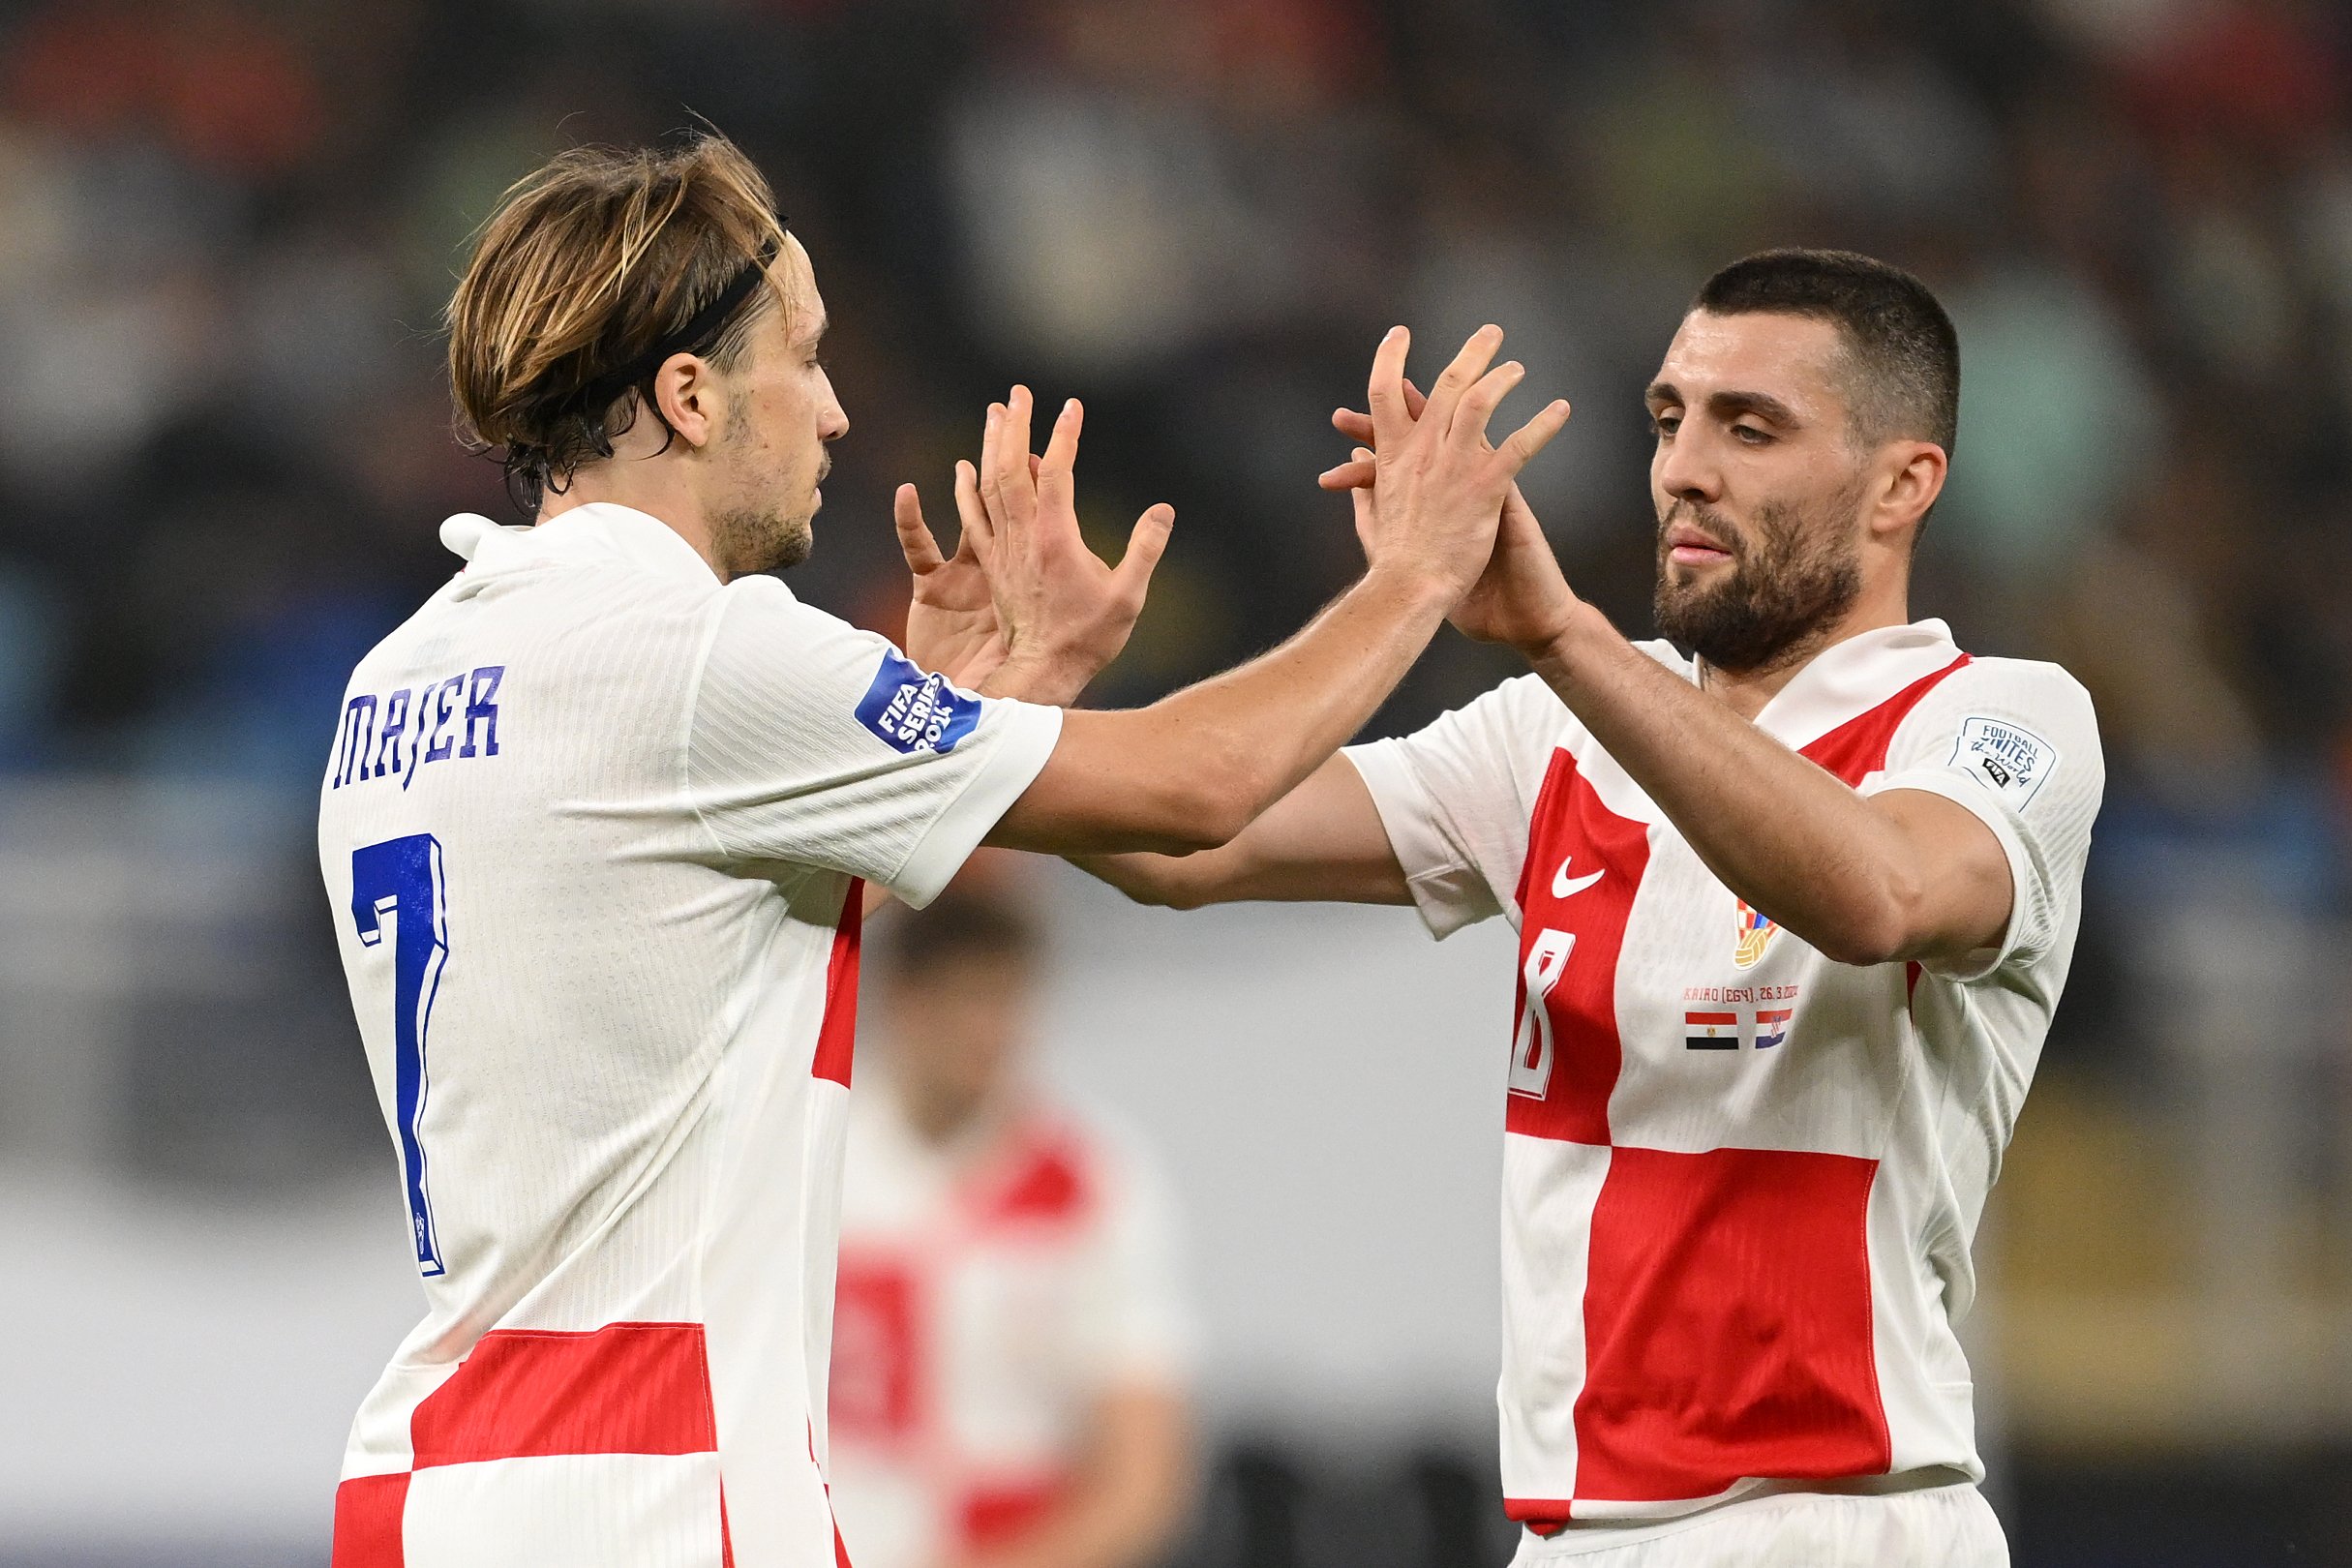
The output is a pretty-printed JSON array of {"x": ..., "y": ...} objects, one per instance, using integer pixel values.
[
  {"x": 951, "y": 624},
  {"x": 1436, "y": 499},
  {"x": 1062, "y": 613},
  {"x": 1521, "y": 600}
]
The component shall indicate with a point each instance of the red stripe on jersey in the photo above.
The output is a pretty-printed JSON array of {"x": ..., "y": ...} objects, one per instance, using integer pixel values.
[
  {"x": 840, "y": 1548},
  {"x": 369, "y": 1512},
  {"x": 628, "y": 1388},
  {"x": 1857, "y": 749},
  {"x": 1041, "y": 1176},
  {"x": 1728, "y": 1324},
  {"x": 998, "y": 1517},
  {"x": 1572, "y": 836},
  {"x": 879, "y": 1367},
  {"x": 726, "y": 1536},
  {"x": 837, "y": 1035}
]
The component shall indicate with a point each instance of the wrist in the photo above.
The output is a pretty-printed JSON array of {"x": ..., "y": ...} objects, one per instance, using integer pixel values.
[
  {"x": 1030, "y": 675},
  {"x": 1417, "y": 588},
  {"x": 1565, "y": 646}
]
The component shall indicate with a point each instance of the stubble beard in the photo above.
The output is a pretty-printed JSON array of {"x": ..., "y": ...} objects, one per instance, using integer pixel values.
[
  {"x": 752, "y": 540},
  {"x": 1781, "y": 600}
]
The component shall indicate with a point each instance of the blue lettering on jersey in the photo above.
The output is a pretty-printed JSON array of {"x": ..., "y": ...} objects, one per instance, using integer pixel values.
[
  {"x": 396, "y": 734},
  {"x": 914, "y": 711}
]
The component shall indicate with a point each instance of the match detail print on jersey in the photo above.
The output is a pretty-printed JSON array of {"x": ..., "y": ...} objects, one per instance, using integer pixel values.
[
  {"x": 1741, "y": 1180},
  {"x": 1727, "y": 1291}
]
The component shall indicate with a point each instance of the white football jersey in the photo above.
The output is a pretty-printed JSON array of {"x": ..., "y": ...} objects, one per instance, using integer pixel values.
[
  {"x": 592, "y": 831},
  {"x": 991, "y": 1291},
  {"x": 1741, "y": 1181}
]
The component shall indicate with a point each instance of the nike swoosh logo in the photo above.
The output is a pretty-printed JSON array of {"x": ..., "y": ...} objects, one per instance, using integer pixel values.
[{"x": 1564, "y": 886}]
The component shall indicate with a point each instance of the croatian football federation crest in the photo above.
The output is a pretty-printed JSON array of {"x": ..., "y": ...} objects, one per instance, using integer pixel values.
[{"x": 1755, "y": 932}]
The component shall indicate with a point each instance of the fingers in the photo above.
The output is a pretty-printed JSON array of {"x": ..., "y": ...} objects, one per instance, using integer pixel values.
[
  {"x": 1054, "y": 473},
  {"x": 1358, "y": 427},
  {"x": 1386, "y": 389},
  {"x": 1468, "y": 367},
  {"x": 1534, "y": 436},
  {"x": 915, "y": 540},
  {"x": 991, "y": 438},
  {"x": 980, "y": 537},
  {"x": 1477, "y": 405},
  {"x": 1354, "y": 474},
  {"x": 1014, "y": 504},
  {"x": 1144, "y": 547}
]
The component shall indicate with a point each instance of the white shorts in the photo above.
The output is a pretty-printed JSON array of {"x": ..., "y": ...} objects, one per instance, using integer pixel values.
[{"x": 1939, "y": 1527}]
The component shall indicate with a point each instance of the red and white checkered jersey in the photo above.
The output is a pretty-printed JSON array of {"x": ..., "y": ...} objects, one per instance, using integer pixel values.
[
  {"x": 1739, "y": 1180},
  {"x": 593, "y": 830},
  {"x": 991, "y": 1291}
]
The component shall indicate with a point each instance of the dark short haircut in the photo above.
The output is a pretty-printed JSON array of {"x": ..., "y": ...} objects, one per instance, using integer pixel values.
[
  {"x": 1902, "y": 356},
  {"x": 960, "y": 924}
]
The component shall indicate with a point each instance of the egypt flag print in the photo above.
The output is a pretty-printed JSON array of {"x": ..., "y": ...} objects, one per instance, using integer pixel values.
[{"x": 1712, "y": 1031}]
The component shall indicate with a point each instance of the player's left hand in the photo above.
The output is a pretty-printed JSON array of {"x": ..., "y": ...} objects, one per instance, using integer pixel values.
[
  {"x": 1063, "y": 612},
  {"x": 1522, "y": 599},
  {"x": 951, "y": 624}
]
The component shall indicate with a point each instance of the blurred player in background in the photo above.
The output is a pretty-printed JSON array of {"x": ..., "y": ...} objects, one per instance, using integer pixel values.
[
  {"x": 596, "y": 819},
  {"x": 1010, "y": 1354},
  {"x": 1793, "y": 915}
]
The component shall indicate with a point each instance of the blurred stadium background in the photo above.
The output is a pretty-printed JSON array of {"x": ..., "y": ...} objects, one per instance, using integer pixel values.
[{"x": 226, "y": 228}]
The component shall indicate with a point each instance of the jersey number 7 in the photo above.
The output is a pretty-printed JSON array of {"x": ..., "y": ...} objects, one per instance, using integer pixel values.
[{"x": 402, "y": 877}]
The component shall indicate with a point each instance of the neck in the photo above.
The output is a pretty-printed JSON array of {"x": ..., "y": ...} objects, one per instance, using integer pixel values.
[
  {"x": 937, "y": 1116},
  {"x": 651, "y": 486},
  {"x": 1746, "y": 691}
]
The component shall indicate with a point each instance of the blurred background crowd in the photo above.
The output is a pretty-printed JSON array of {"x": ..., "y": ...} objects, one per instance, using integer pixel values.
[{"x": 227, "y": 230}]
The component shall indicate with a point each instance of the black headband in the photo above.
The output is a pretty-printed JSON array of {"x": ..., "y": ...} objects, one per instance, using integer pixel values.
[{"x": 692, "y": 338}]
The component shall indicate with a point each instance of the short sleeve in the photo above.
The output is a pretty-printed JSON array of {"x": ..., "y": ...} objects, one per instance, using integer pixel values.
[
  {"x": 1455, "y": 799},
  {"x": 2015, "y": 744},
  {"x": 813, "y": 742}
]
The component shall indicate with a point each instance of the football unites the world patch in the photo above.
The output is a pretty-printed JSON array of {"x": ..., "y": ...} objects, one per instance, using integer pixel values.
[
  {"x": 2009, "y": 761},
  {"x": 914, "y": 711},
  {"x": 1755, "y": 930}
]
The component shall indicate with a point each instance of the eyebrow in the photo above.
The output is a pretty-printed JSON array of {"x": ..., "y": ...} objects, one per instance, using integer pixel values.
[{"x": 1729, "y": 404}]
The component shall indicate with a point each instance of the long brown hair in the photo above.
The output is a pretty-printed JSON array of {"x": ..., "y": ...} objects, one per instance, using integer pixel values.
[{"x": 589, "y": 264}]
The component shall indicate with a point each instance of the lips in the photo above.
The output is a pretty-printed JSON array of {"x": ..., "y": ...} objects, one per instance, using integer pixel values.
[{"x": 1690, "y": 547}]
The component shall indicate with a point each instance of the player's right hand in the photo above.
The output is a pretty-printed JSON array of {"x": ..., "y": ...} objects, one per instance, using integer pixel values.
[
  {"x": 1063, "y": 611},
  {"x": 1438, "y": 484}
]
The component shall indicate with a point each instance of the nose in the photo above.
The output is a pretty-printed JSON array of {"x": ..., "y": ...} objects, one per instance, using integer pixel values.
[
  {"x": 831, "y": 424},
  {"x": 1682, "y": 470}
]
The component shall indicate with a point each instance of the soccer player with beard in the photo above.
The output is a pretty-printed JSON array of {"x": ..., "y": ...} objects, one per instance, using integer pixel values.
[
  {"x": 1793, "y": 914},
  {"x": 596, "y": 819}
]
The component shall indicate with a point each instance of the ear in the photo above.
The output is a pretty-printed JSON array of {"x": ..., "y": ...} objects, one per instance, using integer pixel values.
[
  {"x": 1913, "y": 477},
  {"x": 686, "y": 390}
]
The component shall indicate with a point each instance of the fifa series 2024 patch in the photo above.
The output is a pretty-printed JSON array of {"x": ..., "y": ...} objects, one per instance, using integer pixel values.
[
  {"x": 2011, "y": 762},
  {"x": 914, "y": 711}
]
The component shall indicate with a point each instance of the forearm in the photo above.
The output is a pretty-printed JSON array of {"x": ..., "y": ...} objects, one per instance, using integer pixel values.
[
  {"x": 1791, "y": 838},
  {"x": 1192, "y": 771},
  {"x": 1255, "y": 733}
]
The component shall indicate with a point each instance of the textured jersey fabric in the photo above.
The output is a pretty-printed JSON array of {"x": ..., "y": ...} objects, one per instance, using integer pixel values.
[
  {"x": 1936, "y": 1528},
  {"x": 1741, "y": 1181},
  {"x": 592, "y": 831},
  {"x": 991, "y": 1291}
]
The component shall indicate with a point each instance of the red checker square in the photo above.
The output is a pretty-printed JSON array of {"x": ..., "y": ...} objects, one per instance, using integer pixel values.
[
  {"x": 370, "y": 1512},
  {"x": 1728, "y": 1325}
]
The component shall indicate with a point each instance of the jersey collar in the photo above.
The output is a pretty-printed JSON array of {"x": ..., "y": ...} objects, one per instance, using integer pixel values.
[
  {"x": 1847, "y": 679},
  {"x": 598, "y": 530}
]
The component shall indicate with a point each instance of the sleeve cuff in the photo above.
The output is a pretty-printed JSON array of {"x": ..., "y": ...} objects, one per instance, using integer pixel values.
[
  {"x": 1448, "y": 892},
  {"x": 1986, "y": 808},
  {"x": 1020, "y": 736}
]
